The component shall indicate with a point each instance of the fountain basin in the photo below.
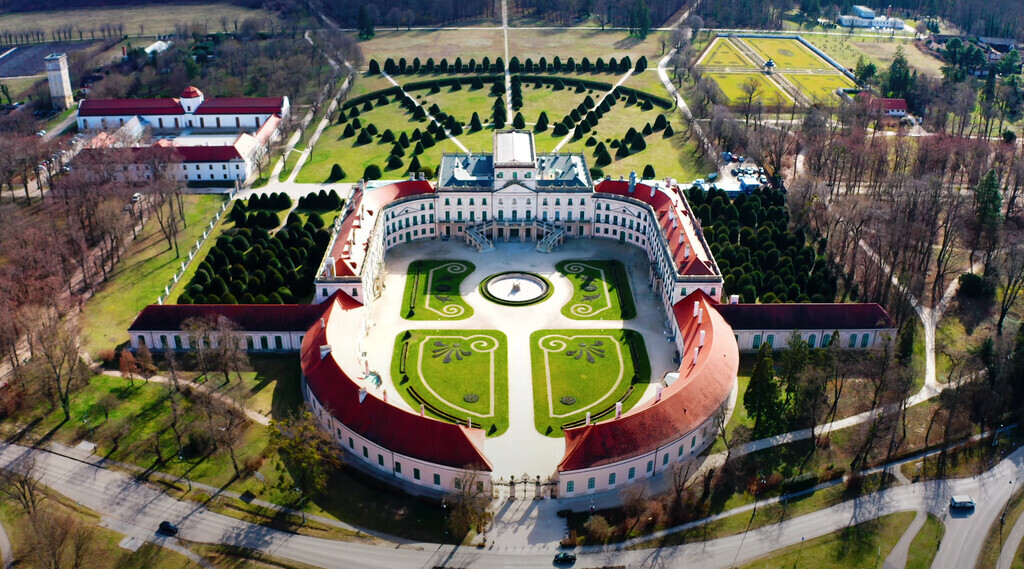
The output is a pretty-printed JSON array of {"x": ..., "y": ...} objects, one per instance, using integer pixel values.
[{"x": 515, "y": 288}]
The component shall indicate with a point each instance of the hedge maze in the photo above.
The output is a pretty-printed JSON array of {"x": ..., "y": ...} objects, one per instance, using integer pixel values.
[
  {"x": 254, "y": 262},
  {"x": 760, "y": 259}
]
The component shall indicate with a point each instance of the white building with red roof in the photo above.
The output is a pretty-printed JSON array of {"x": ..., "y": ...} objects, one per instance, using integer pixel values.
[{"x": 219, "y": 140}]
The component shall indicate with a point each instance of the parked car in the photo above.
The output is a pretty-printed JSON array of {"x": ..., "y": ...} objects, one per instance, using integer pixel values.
[
  {"x": 168, "y": 528},
  {"x": 565, "y": 557},
  {"x": 735, "y": 172},
  {"x": 743, "y": 159},
  {"x": 136, "y": 197},
  {"x": 41, "y": 133},
  {"x": 712, "y": 176},
  {"x": 735, "y": 158}
]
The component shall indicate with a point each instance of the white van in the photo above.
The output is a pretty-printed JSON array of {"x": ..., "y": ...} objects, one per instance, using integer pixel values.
[{"x": 961, "y": 501}]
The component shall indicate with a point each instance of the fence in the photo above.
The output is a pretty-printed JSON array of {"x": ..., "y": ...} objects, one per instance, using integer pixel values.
[{"x": 193, "y": 251}]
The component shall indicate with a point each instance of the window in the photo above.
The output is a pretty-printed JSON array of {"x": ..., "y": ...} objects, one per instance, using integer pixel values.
[
  {"x": 366, "y": 453},
  {"x": 693, "y": 441},
  {"x": 713, "y": 291},
  {"x": 570, "y": 201},
  {"x": 632, "y": 472},
  {"x": 458, "y": 201},
  {"x": 398, "y": 467},
  {"x": 485, "y": 201},
  {"x": 447, "y": 201},
  {"x": 770, "y": 340},
  {"x": 591, "y": 482},
  {"x": 380, "y": 460},
  {"x": 416, "y": 473},
  {"x": 471, "y": 201},
  {"x": 681, "y": 450},
  {"x": 583, "y": 201},
  {"x": 351, "y": 443},
  {"x": 570, "y": 487},
  {"x": 611, "y": 479},
  {"x": 853, "y": 340},
  {"x": 864, "y": 339},
  {"x": 757, "y": 341},
  {"x": 650, "y": 466},
  {"x": 810, "y": 340},
  {"x": 664, "y": 460},
  {"x": 545, "y": 202},
  {"x": 437, "y": 480}
]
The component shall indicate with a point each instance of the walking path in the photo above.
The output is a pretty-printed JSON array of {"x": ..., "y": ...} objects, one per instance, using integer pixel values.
[
  {"x": 430, "y": 117},
  {"x": 621, "y": 80},
  {"x": 253, "y": 416},
  {"x": 897, "y": 558},
  {"x": 7, "y": 558},
  {"x": 508, "y": 74},
  {"x": 1012, "y": 544}
]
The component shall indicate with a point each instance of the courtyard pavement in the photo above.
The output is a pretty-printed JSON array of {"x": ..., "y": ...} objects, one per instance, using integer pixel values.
[{"x": 521, "y": 449}]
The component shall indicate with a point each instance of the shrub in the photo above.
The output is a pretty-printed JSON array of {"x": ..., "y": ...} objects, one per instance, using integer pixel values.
[
  {"x": 364, "y": 137},
  {"x": 316, "y": 221},
  {"x": 649, "y": 172},
  {"x": 367, "y": 106},
  {"x": 668, "y": 131},
  {"x": 519, "y": 121},
  {"x": 374, "y": 68},
  {"x": 647, "y": 129},
  {"x": 560, "y": 130},
  {"x": 638, "y": 143},
  {"x": 660, "y": 122},
  {"x": 622, "y": 151},
  {"x": 974, "y": 286},
  {"x": 252, "y": 464},
  {"x": 414, "y": 164},
  {"x": 596, "y": 174},
  {"x": 394, "y": 163},
  {"x": 372, "y": 172},
  {"x": 336, "y": 173},
  {"x": 387, "y": 136}
]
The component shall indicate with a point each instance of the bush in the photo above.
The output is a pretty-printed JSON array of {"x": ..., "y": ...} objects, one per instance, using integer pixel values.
[
  {"x": 336, "y": 173},
  {"x": 394, "y": 163},
  {"x": 596, "y": 174},
  {"x": 364, "y": 137},
  {"x": 316, "y": 221},
  {"x": 649, "y": 172},
  {"x": 974, "y": 286},
  {"x": 372, "y": 172},
  {"x": 519, "y": 121},
  {"x": 374, "y": 68}
]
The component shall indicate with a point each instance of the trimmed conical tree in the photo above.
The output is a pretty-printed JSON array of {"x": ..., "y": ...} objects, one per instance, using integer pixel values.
[
  {"x": 414, "y": 164},
  {"x": 542, "y": 122},
  {"x": 649, "y": 172},
  {"x": 348, "y": 132},
  {"x": 519, "y": 121},
  {"x": 364, "y": 137},
  {"x": 336, "y": 173},
  {"x": 394, "y": 163},
  {"x": 474, "y": 123},
  {"x": 622, "y": 151},
  {"x": 372, "y": 172}
]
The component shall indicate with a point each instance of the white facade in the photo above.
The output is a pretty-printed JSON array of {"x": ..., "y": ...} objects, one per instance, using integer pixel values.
[
  {"x": 854, "y": 21},
  {"x": 417, "y": 475},
  {"x": 849, "y": 339},
  {"x": 177, "y": 340}
]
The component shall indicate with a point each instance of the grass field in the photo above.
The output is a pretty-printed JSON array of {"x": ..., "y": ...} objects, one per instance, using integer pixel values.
[
  {"x": 821, "y": 87},
  {"x": 580, "y": 43},
  {"x": 19, "y": 87},
  {"x": 432, "y": 290},
  {"x": 461, "y": 372},
  {"x": 465, "y": 43},
  {"x": 787, "y": 53},
  {"x": 731, "y": 85},
  {"x": 576, "y": 371},
  {"x": 140, "y": 277},
  {"x": 147, "y": 19},
  {"x": 926, "y": 544},
  {"x": 855, "y": 547},
  {"x": 723, "y": 53},
  {"x": 600, "y": 290},
  {"x": 880, "y": 52}
]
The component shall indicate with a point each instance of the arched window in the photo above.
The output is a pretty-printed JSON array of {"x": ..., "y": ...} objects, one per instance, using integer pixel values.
[{"x": 810, "y": 340}]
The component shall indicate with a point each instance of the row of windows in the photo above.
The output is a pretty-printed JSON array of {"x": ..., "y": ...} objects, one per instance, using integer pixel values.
[
  {"x": 570, "y": 486},
  {"x": 398, "y": 465},
  {"x": 410, "y": 221},
  {"x": 529, "y": 201},
  {"x": 409, "y": 236},
  {"x": 222, "y": 167},
  {"x": 264, "y": 342},
  {"x": 423, "y": 207},
  {"x": 865, "y": 339}
]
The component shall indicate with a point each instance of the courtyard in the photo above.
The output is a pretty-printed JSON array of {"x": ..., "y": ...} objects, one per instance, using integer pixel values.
[{"x": 522, "y": 373}]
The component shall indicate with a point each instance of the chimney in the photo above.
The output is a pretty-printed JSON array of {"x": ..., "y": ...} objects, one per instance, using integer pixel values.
[
  {"x": 734, "y": 299},
  {"x": 632, "y": 181},
  {"x": 588, "y": 417},
  {"x": 469, "y": 422},
  {"x": 696, "y": 307},
  {"x": 696, "y": 352},
  {"x": 385, "y": 395},
  {"x": 423, "y": 410},
  {"x": 618, "y": 409},
  {"x": 700, "y": 316},
  {"x": 686, "y": 250},
  {"x": 657, "y": 395},
  {"x": 652, "y": 191},
  {"x": 322, "y": 323},
  {"x": 362, "y": 394},
  {"x": 701, "y": 344},
  {"x": 324, "y": 350}
]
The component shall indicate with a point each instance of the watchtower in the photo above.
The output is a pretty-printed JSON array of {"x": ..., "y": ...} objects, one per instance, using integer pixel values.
[{"x": 60, "y": 81}]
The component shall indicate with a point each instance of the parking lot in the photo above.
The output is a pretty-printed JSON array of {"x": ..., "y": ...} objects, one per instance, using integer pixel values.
[{"x": 726, "y": 180}]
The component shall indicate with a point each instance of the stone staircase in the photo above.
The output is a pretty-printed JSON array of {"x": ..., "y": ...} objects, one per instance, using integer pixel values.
[
  {"x": 551, "y": 240},
  {"x": 476, "y": 237}
]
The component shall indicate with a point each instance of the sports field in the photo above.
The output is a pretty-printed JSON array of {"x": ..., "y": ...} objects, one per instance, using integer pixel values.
[
  {"x": 432, "y": 290},
  {"x": 821, "y": 87},
  {"x": 787, "y": 53},
  {"x": 580, "y": 371},
  {"x": 722, "y": 53},
  {"x": 732, "y": 87},
  {"x": 600, "y": 290},
  {"x": 456, "y": 374}
]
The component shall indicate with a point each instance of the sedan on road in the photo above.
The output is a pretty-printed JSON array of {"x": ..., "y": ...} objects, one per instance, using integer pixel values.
[
  {"x": 565, "y": 557},
  {"x": 168, "y": 528}
]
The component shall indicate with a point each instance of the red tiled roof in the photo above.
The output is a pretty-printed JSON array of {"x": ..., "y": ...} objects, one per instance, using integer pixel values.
[
  {"x": 250, "y": 317},
  {"x": 805, "y": 316},
  {"x": 241, "y": 106},
  {"x": 393, "y": 428},
  {"x": 700, "y": 391},
  {"x": 191, "y": 92},
  {"x": 698, "y": 262},
  {"x": 207, "y": 153},
  {"x": 875, "y": 103},
  {"x": 370, "y": 203},
  {"x": 116, "y": 107}
]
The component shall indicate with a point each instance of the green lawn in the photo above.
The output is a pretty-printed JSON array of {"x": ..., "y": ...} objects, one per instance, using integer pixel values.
[
  {"x": 432, "y": 290},
  {"x": 723, "y": 53},
  {"x": 601, "y": 290},
  {"x": 731, "y": 85},
  {"x": 576, "y": 371},
  {"x": 579, "y": 43},
  {"x": 140, "y": 277},
  {"x": 863, "y": 545},
  {"x": 787, "y": 53},
  {"x": 463, "y": 373},
  {"x": 926, "y": 544},
  {"x": 821, "y": 87}
]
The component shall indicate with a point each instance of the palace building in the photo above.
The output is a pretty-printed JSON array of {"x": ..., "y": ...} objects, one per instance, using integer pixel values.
[{"x": 219, "y": 139}]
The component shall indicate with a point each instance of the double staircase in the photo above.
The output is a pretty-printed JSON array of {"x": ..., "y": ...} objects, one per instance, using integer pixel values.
[{"x": 476, "y": 235}]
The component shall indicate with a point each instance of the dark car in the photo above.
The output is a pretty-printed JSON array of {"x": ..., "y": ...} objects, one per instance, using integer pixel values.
[
  {"x": 565, "y": 557},
  {"x": 168, "y": 528}
]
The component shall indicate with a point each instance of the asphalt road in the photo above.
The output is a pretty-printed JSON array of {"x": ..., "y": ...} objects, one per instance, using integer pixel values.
[{"x": 123, "y": 500}]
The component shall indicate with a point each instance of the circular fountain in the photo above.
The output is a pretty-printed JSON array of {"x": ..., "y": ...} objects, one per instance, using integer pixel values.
[{"x": 515, "y": 288}]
